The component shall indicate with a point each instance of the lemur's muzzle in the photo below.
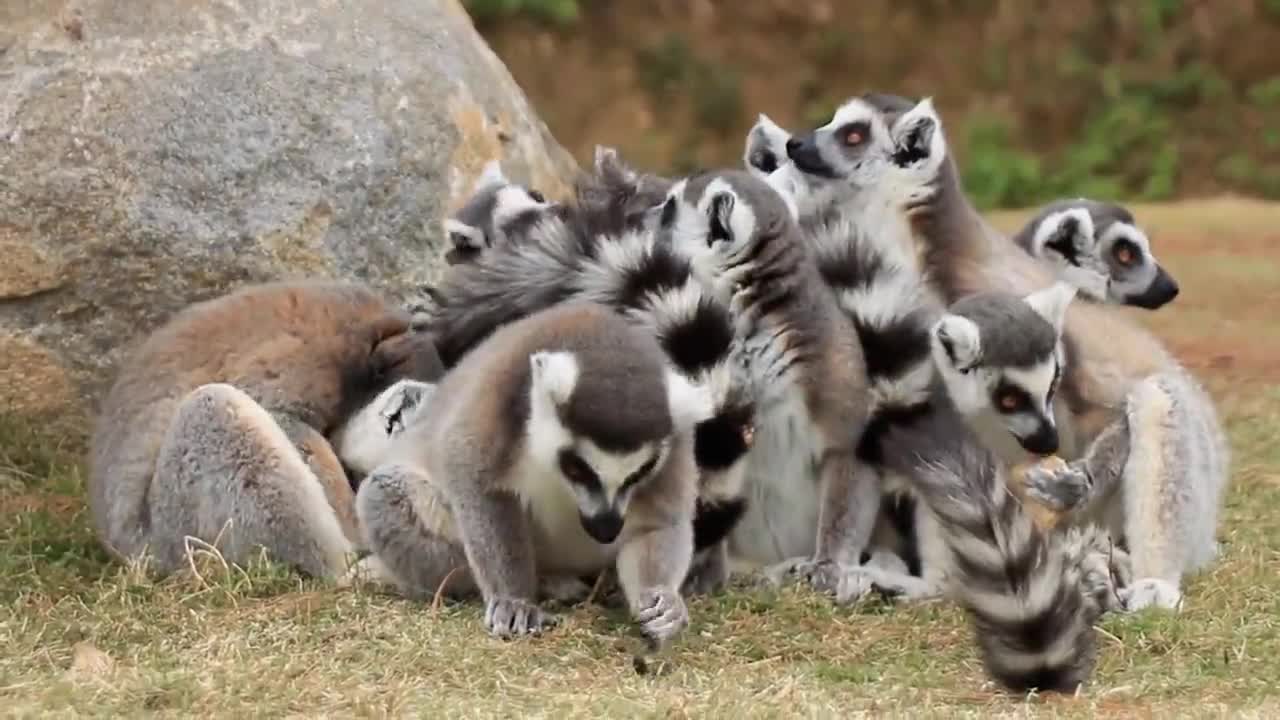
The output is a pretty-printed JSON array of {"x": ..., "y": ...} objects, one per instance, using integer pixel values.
[
  {"x": 1044, "y": 441},
  {"x": 603, "y": 527},
  {"x": 1161, "y": 291},
  {"x": 803, "y": 151}
]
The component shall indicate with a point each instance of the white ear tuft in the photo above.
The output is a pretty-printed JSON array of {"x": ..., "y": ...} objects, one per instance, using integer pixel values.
[
  {"x": 463, "y": 236},
  {"x": 554, "y": 374},
  {"x": 1051, "y": 303},
  {"x": 766, "y": 146},
  {"x": 688, "y": 403},
  {"x": 960, "y": 340},
  {"x": 1074, "y": 225},
  {"x": 491, "y": 175},
  {"x": 917, "y": 135}
]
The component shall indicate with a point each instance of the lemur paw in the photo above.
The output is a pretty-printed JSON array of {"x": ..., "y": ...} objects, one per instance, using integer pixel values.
[
  {"x": 507, "y": 617},
  {"x": 661, "y": 613},
  {"x": 822, "y": 575},
  {"x": 563, "y": 589},
  {"x": 1151, "y": 592},
  {"x": 861, "y": 581},
  {"x": 1058, "y": 487}
]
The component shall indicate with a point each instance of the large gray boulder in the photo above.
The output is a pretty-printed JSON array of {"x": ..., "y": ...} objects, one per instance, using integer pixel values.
[{"x": 158, "y": 152}]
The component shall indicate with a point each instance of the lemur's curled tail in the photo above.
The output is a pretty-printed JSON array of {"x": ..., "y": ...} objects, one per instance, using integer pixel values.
[{"x": 1032, "y": 595}]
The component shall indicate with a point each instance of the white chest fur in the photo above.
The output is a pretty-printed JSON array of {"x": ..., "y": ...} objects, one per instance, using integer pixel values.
[
  {"x": 561, "y": 545},
  {"x": 781, "y": 518}
]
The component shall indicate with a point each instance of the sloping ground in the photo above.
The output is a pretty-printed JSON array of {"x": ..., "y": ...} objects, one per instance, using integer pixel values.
[{"x": 86, "y": 636}]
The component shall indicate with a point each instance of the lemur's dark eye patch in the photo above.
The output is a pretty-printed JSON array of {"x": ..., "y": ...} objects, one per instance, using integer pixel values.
[
  {"x": 1125, "y": 252},
  {"x": 577, "y": 471},
  {"x": 1010, "y": 398},
  {"x": 537, "y": 196},
  {"x": 854, "y": 133}
]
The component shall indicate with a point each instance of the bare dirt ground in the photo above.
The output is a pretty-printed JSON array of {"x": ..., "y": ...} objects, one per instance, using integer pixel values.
[{"x": 83, "y": 635}]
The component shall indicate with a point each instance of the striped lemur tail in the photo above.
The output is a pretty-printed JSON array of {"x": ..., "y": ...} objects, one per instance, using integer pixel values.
[{"x": 1031, "y": 595}]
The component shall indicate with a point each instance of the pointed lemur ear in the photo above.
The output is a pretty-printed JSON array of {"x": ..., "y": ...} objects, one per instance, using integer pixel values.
[
  {"x": 463, "y": 236},
  {"x": 766, "y": 146},
  {"x": 667, "y": 218},
  {"x": 960, "y": 339},
  {"x": 1068, "y": 234},
  {"x": 491, "y": 175},
  {"x": 914, "y": 134},
  {"x": 607, "y": 162},
  {"x": 554, "y": 374},
  {"x": 1051, "y": 303},
  {"x": 719, "y": 211},
  {"x": 688, "y": 403}
]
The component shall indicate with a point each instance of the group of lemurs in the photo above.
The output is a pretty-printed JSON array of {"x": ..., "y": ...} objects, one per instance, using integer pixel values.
[{"x": 823, "y": 366}]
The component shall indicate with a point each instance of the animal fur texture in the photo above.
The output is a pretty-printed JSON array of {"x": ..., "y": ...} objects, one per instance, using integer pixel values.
[
  {"x": 605, "y": 249},
  {"x": 989, "y": 360},
  {"x": 1099, "y": 248},
  {"x": 560, "y": 447},
  {"x": 1122, "y": 393},
  {"x": 802, "y": 470},
  {"x": 218, "y": 425}
]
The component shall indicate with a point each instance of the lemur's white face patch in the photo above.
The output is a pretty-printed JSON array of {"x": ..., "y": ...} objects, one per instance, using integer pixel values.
[
  {"x": 511, "y": 201},
  {"x": 1134, "y": 278}
]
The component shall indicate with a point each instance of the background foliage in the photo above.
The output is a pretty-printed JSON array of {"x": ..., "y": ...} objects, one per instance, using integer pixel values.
[{"x": 1140, "y": 100}]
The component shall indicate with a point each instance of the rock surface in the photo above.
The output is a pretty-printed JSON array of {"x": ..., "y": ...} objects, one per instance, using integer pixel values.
[{"x": 158, "y": 152}]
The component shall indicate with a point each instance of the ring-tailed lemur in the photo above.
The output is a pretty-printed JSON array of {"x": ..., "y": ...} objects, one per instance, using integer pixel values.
[
  {"x": 1150, "y": 458},
  {"x": 604, "y": 249},
  {"x": 1031, "y": 593},
  {"x": 496, "y": 211},
  {"x": 1096, "y": 246},
  {"x": 877, "y": 279},
  {"x": 219, "y": 425},
  {"x": 1099, "y": 247},
  {"x": 998, "y": 362},
  {"x": 562, "y": 446},
  {"x": 812, "y": 503}
]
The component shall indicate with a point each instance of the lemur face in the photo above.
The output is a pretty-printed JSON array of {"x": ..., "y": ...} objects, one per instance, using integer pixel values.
[
  {"x": 567, "y": 412},
  {"x": 882, "y": 144},
  {"x": 718, "y": 219},
  {"x": 851, "y": 148},
  {"x": 1000, "y": 358},
  {"x": 1098, "y": 247},
  {"x": 494, "y": 214}
]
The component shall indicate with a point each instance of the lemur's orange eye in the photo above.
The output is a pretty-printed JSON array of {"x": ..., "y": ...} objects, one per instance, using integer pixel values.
[
  {"x": 1124, "y": 255},
  {"x": 1009, "y": 401},
  {"x": 853, "y": 138}
]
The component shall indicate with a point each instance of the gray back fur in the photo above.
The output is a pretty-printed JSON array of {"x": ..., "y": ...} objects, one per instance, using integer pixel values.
[{"x": 1013, "y": 335}]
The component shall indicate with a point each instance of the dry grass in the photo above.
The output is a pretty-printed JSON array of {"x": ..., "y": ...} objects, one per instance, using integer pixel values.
[{"x": 82, "y": 635}]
